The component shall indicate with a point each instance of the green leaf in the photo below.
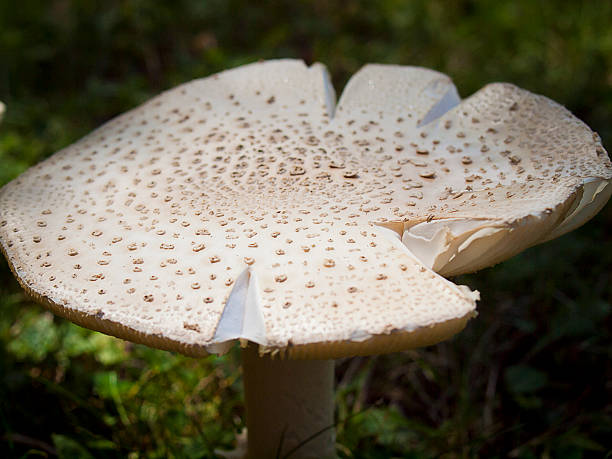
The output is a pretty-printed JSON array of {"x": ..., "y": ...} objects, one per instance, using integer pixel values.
[
  {"x": 109, "y": 350},
  {"x": 522, "y": 379},
  {"x": 108, "y": 385},
  {"x": 34, "y": 335},
  {"x": 69, "y": 449},
  {"x": 77, "y": 341}
]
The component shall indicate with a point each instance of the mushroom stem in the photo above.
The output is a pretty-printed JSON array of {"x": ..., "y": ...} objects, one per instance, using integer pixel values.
[{"x": 289, "y": 406}]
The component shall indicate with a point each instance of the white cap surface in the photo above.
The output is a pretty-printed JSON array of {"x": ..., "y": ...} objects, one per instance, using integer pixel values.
[{"x": 247, "y": 206}]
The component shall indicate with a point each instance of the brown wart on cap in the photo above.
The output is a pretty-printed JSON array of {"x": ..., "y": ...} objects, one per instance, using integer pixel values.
[{"x": 246, "y": 206}]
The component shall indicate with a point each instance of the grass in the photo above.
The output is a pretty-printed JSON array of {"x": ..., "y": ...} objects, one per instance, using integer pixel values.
[{"x": 529, "y": 378}]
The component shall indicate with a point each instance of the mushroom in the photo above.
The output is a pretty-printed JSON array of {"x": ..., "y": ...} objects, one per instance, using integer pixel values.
[
  {"x": 248, "y": 206},
  {"x": 2, "y": 109}
]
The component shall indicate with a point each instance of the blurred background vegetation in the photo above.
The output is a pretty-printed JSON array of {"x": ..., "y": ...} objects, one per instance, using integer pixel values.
[{"x": 530, "y": 377}]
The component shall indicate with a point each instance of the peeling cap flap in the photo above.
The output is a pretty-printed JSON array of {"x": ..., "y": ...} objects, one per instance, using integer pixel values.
[
  {"x": 471, "y": 183},
  {"x": 247, "y": 206}
]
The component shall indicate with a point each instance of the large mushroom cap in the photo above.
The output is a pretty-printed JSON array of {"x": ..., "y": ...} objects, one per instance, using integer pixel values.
[{"x": 247, "y": 206}]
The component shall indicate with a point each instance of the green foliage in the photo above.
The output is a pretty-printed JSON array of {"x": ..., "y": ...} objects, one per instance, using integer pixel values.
[
  {"x": 103, "y": 396},
  {"x": 67, "y": 448},
  {"x": 530, "y": 377},
  {"x": 522, "y": 379}
]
